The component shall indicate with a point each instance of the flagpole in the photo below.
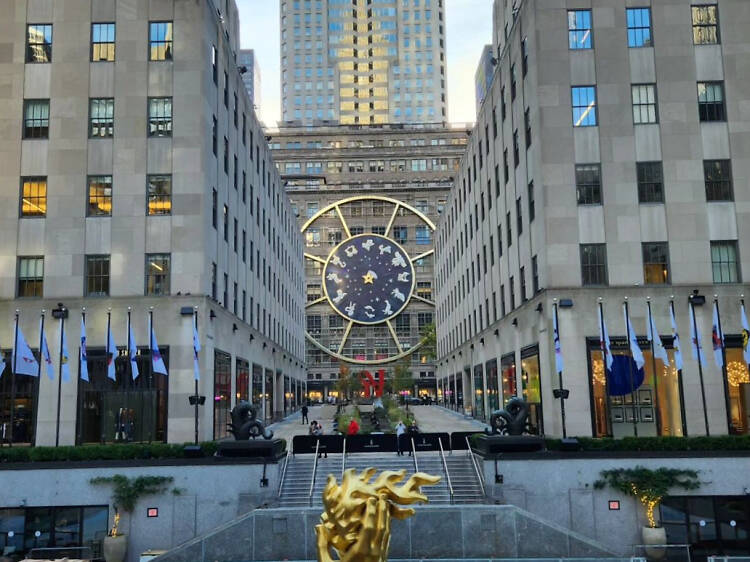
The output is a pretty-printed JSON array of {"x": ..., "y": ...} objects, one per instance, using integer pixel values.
[
  {"x": 560, "y": 375},
  {"x": 59, "y": 378},
  {"x": 13, "y": 381},
  {"x": 602, "y": 347},
  {"x": 630, "y": 370},
  {"x": 195, "y": 326},
  {"x": 151, "y": 348},
  {"x": 723, "y": 360},
  {"x": 80, "y": 364},
  {"x": 109, "y": 328},
  {"x": 128, "y": 347},
  {"x": 697, "y": 345},
  {"x": 41, "y": 341},
  {"x": 651, "y": 330}
]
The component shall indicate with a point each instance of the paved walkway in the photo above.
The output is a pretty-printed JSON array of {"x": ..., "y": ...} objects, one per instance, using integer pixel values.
[
  {"x": 435, "y": 419},
  {"x": 292, "y": 425}
]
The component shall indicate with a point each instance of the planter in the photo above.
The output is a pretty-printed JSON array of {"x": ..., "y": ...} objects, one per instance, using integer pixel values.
[
  {"x": 115, "y": 548},
  {"x": 652, "y": 535}
]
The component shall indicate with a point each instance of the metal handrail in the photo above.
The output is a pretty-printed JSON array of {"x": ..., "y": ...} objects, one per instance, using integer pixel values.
[
  {"x": 343, "y": 460},
  {"x": 480, "y": 476},
  {"x": 283, "y": 472},
  {"x": 315, "y": 469},
  {"x": 414, "y": 452},
  {"x": 445, "y": 468}
]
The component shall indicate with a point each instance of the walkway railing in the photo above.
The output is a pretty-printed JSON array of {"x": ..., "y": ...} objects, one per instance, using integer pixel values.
[
  {"x": 445, "y": 468},
  {"x": 315, "y": 469},
  {"x": 343, "y": 460},
  {"x": 414, "y": 452},
  {"x": 283, "y": 472},
  {"x": 479, "y": 473}
]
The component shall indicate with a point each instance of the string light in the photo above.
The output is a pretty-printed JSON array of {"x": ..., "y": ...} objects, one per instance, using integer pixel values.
[
  {"x": 598, "y": 374},
  {"x": 737, "y": 374}
]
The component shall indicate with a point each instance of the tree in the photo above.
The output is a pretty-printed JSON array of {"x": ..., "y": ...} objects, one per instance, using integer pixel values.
[
  {"x": 402, "y": 377},
  {"x": 349, "y": 384},
  {"x": 429, "y": 345}
]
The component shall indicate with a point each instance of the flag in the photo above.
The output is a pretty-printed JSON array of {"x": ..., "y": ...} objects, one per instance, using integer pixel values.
[
  {"x": 604, "y": 340},
  {"x": 717, "y": 338},
  {"x": 3, "y": 364},
  {"x": 84, "y": 354},
  {"x": 156, "y": 358},
  {"x": 196, "y": 349},
  {"x": 111, "y": 354},
  {"x": 695, "y": 339},
  {"x": 675, "y": 341},
  {"x": 653, "y": 336},
  {"x": 64, "y": 357},
  {"x": 745, "y": 334},
  {"x": 45, "y": 353},
  {"x": 635, "y": 349},
  {"x": 132, "y": 352},
  {"x": 22, "y": 359},
  {"x": 558, "y": 347}
]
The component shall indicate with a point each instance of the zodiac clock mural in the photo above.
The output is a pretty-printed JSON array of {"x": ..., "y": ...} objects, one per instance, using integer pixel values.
[{"x": 368, "y": 279}]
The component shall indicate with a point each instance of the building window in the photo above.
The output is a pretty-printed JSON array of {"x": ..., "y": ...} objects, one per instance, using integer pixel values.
[
  {"x": 222, "y": 393},
  {"x": 160, "y": 117},
  {"x": 214, "y": 274},
  {"x": 535, "y": 274},
  {"x": 30, "y": 276},
  {"x": 644, "y": 104},
  {"x": 589, "y": 184},
  {"x": 579, "y": 29},
  {"x": 594, "y": 264},
  {"x": 100, "y": 196},
  {"x": 35, "y": 119},
  {"x": 102, "y": 42},
  {"x": 214, "y": 136},
  {"x": 706, "y": 25},
  {"x": 34, "y": 197},
  {"x": 159, "y": 194},
  {"x": 724, "y": 262},
  {"x": 97, "y": 276},
  {"x": 400, "y": 234},
  {"x": 584, "y": 106},
  {"x": 655, "y": 263},
  {"x": 39, "y": 42},
  {"x": 423, "y": 235},
  {"x": 639, "y": 27},
  {"x": 532, "y": 204},
  {"x": 711, "y": 101},
  {"x": 160, "y": 40},
  {"x": 718, "y": 176},
  {"x": 101, "y": 117},
  {"x": 226, "y": 223},
  {"x": 157, "y": 274},
  {"x": 214, "y": 65},
  {"x": 214, "y": 207},
  {"x": 313, "y": 292},
  {"x": 650, "y": 182}
]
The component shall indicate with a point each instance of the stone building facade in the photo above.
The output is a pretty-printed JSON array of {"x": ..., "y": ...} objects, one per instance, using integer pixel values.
[
  {"x": 136, "y": 177},
  {"x": 607, "y": 165}
]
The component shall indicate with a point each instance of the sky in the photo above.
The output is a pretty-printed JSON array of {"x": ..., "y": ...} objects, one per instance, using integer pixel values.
[{"x": 468, "y": 29}]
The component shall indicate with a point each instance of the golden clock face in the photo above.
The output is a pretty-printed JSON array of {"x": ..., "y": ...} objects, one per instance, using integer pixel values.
[{"x": 368, "y": 279}]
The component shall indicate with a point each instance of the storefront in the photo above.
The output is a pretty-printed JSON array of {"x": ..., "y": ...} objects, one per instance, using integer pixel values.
[
  {"x": 22, "y": 392},
  {"x": 222, "y": 393},
  {"x": 493, "y": 397},
  {"x": 478, "y": 392},
  {"x": 531, "y": 388},
  {"x": 242, "y": 380}
]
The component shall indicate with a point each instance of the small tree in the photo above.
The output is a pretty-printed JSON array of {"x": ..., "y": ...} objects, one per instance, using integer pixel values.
[
  {"x": 429, "y": 345},
  {"x": 127, "y": 491},
  {"x": 649, "y": 486},
  {"x": 402, "y": 377}
]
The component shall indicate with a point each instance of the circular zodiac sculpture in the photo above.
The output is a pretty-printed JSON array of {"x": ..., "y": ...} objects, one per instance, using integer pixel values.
[{"x": 368, "y": 279}]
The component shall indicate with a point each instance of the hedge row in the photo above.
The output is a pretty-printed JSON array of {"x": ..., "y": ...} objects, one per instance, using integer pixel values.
[
  {"x": 100, "y": 452},
  {"x": 717, "y": 443}
]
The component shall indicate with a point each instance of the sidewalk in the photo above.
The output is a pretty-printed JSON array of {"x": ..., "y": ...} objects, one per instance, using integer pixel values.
[
  {"x": 440, "y": 419},
  {"x": 292, "y": 425}
]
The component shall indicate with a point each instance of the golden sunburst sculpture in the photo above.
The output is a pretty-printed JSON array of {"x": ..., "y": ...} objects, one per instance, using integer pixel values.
[{"x": 356, "y": 522}]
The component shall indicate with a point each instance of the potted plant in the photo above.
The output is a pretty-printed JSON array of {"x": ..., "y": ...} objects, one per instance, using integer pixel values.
[
  {"x": 125, "y": 495},
  {"x": 649, "y": 486}
]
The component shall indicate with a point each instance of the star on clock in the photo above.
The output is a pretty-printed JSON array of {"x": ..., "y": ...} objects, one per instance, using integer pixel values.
[{"x": 368, "y": 278}]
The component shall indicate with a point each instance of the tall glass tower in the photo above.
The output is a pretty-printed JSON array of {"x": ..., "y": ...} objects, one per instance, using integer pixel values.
[{"x": 363, "y": 61}]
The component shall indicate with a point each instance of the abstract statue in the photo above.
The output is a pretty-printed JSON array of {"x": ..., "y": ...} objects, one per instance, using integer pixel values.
[
  {"x": 513, "y": 420},
  {"x": 244, "y": 424},
  {"x": 356, "y": 522}
]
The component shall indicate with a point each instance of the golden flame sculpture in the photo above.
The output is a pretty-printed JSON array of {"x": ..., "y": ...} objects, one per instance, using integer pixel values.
[{"x": 356, "y": 522}]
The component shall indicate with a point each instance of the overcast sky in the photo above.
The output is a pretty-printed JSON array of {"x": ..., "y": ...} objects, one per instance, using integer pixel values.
[{"x": 469, "y": 28}]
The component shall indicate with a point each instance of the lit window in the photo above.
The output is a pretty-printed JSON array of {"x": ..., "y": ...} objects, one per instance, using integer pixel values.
[
  {"x": 102, "y": 42},
  {"x": 160, "y": 40},
  {"x": 100, "y": 196},
  {"x": 579, "y": 29},
  {"x": 157, "y": 274},
  {"x": 159, "y": 194},
  {"x": 39, "y": 42},
  {"x": 655, "y": 263},
  {"x": 34, "y": 197},
  {"x": 584, "y": 106}
]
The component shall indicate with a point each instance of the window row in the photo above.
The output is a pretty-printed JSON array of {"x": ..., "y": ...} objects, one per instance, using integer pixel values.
[
  {"x": 705, "y": 25},
  {"x": 368, "y": 143},
  {"x": 369, "y": 166},
  {"x": 33, "y": 197},
  {"x": 96, "y": 275},
  {"x": 102, "y": 42}
]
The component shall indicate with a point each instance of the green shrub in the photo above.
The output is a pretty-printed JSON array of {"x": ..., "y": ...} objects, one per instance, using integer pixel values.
[{"x": 126, "y": 451}]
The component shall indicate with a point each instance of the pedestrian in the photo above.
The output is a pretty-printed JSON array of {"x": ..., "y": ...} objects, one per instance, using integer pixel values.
[
  {"x": 353, "y": 428},
  {"x": 400, "y": 430},
  {"x": 304, "y": 414},
  {"x": 313, "y": 426},
  {"x": 412, "y": 431},
  {"x": 318, "y": 431}
]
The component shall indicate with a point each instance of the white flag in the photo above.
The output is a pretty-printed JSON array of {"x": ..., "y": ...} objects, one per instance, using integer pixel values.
[
  {"x": 745, "y": 334},
  {"x": 635, "y": 349},
  {"x": 695, "y": 339},
  {"x": 132, "y": 352},
  {"x": 45, "y": 353},
  {"x": 604, "y": 340},
  {"x": 558, "y": 347},
  {"x": 676, "y": 345},
  {"x": 717, "y": 338},
  {"x": 196, "y": 349},
  {"x": 653, "y": 336},
  {"x": 83, "y": 353},
  {"x": 111, "y": 354},
  {"x": 22, "y": 359},
  {"x": 156, "y": 358},
  {"x": 64, "y": 356}
]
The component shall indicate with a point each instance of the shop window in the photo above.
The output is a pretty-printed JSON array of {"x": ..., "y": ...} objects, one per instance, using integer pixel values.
[
  {"x": 222, "y": 393},
  {"x": 738, "y": 386},
  {"x": 508, "y": 374},
  {"x": 531, "y": 387},
  {"x": 242, "y": 380},
  {"x": 257, "y": 386},
  {"x": 24, "y": 406},
  {"x": 269, "y": 394},
  {"x": 478, "y": 392},
  {"x": 492, "y": 388}
]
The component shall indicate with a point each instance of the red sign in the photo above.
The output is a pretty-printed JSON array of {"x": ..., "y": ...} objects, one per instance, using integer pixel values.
[
  {"x": 614, "y": 505},
  {"x": 152, "y": 512}
]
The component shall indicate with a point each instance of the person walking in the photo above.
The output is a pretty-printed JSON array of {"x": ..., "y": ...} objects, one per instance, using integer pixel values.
[
  {"x": 353, "y": 428},
  {"x": 400, "y": 430},
  {"x": 412, "y": 431},
  {"x": 318, "y": 431},
  {"x": 304, "y": 414}
]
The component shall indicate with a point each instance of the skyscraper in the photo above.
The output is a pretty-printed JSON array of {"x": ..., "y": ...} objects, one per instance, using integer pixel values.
[
  {"x": 362, "y": 62},
  {"x": 251, "y": 76}
]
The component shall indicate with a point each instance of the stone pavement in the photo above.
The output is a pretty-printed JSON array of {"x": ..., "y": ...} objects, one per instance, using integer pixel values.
[
  {"x": 435, "y": 419},
  {"x": 292, "y": 425}
]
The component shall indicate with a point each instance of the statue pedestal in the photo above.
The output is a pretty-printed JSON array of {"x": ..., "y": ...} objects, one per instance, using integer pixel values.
[
  {"x": 491, "y": 445},
  {"x": 271, "y": 449}
]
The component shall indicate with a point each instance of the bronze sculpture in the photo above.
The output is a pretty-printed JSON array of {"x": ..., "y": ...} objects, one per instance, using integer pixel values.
[
  {"x": 245, "y": 425},
  {"x": 513, "y": 420}
]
